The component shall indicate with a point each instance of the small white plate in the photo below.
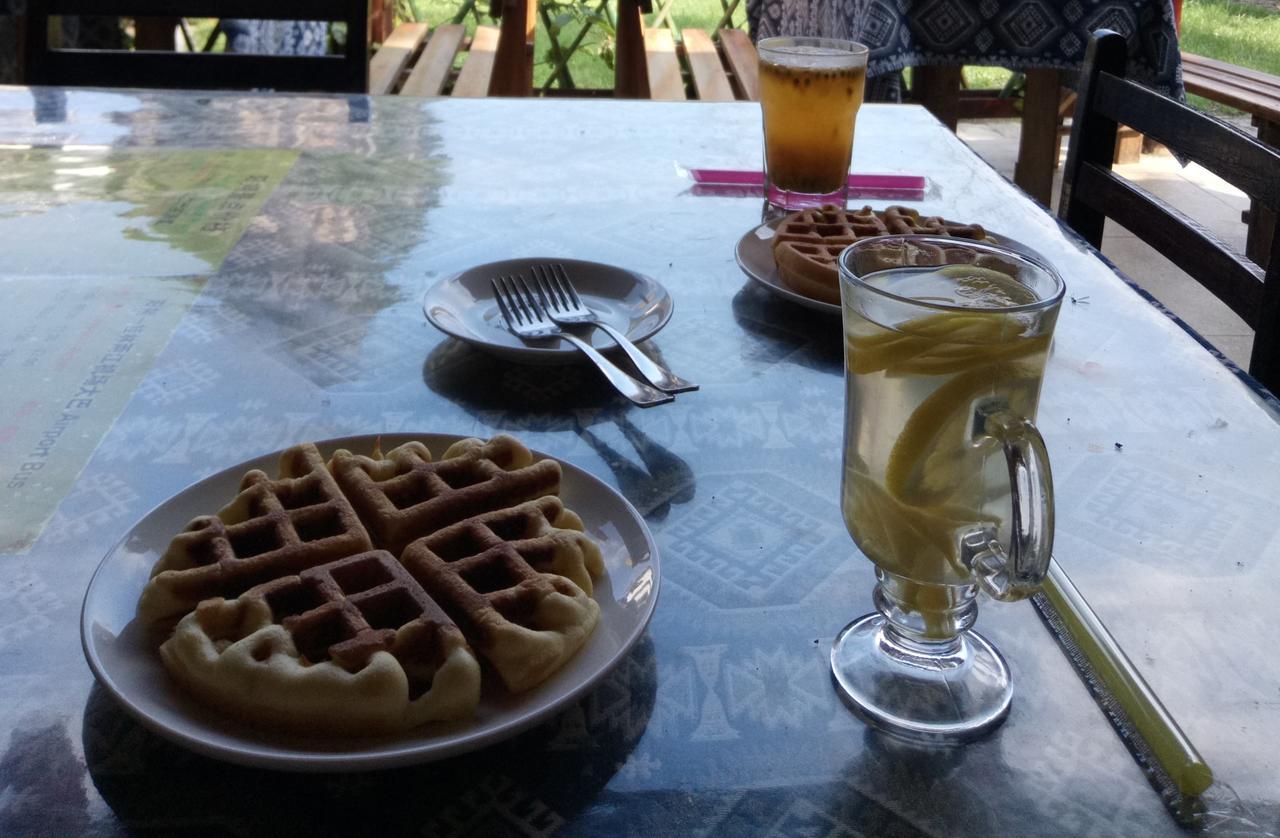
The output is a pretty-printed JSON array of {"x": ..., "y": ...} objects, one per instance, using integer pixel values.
[
  {"x": 127, "y": 664},
  {"x": 754, "y": 254},
  {"x": 463, "y": 307}
]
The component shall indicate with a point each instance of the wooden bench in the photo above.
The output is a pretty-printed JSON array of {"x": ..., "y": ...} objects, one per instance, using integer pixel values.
[
  {"x": 719, "y": 69},
  {"x": 416, "y": 62},
  {"x": 1255, "y": 93},
  {"x": 413, "y": 61},
  {"x": 497, "y": 61}
]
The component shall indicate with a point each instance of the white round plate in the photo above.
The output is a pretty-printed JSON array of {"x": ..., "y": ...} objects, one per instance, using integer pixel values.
[
  {"x": 129, "y": 667},
  {"x": 754, "y": 254},
  {"x": 463, "y": 306}
]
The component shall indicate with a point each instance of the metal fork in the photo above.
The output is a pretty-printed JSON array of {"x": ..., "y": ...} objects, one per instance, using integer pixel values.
[
  {"x": 564, "y": 306},
  {"x": 525, "y": 318}
]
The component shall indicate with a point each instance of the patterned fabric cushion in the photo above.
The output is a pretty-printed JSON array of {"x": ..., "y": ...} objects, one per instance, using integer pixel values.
[
  {"x": 1017, "y": 34},
  {"x": 277, "y": 37}
]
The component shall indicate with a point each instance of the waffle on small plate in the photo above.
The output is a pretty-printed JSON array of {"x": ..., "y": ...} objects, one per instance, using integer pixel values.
[{"x": 807, "y": 243}]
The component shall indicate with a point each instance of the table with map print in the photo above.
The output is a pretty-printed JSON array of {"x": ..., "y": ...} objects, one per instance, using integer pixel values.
[{"x": 193, "y": 280}]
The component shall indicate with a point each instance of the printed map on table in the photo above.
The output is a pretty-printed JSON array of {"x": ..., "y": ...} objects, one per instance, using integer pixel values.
[
  {"x": 152, "y": 213},
  {"x": 80, "y": 351}
]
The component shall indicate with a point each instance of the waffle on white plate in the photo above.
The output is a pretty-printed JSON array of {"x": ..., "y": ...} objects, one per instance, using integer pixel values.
[{"x": 348, "y": 596}]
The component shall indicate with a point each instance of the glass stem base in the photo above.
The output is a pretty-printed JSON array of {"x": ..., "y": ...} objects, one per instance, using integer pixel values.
[
  {"x": 919, "y": 672},
  {"x": 787, "y": 200}
]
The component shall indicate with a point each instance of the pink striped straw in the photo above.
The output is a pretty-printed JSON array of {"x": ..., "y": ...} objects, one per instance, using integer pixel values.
[{"x": 859, "y": 182}]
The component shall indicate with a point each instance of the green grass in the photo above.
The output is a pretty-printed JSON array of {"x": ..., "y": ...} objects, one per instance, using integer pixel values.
[{"x": 1246, "y": 34}]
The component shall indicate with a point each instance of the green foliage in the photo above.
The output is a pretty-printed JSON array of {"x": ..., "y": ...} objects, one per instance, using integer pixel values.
[{"x": 1242, "y": 33}]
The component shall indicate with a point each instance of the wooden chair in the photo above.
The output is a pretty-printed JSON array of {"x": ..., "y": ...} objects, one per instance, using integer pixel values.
[
  {"x": 1254, "y": 93},
  {"x": 1091, "y": 192},
  {"x": 348, "y": 72}
]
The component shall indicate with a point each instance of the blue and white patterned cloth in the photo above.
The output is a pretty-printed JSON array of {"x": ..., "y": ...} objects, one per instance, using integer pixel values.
[
  {"x": 277, "y": 37},
  {"x": 1017, "y": 34}
]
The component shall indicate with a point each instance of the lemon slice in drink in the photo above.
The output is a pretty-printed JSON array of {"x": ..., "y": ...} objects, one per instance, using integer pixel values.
[
  {"x": 920, "y": 543},
  {"x": 934, "y": 459}
]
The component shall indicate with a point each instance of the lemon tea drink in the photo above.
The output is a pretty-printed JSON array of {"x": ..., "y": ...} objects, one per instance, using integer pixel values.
[
  {"x": 810, "y": 93},
  {"x": 931, "y": 352},
  {"x": 946, "y": 485},
  {"x": 916, "y": 481}
]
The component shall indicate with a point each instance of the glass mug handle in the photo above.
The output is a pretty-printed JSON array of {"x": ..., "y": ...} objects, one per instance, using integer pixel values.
[{"x": 1016, "y": 573}]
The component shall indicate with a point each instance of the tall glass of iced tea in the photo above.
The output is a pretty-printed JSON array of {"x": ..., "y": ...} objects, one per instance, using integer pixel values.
[
  {"x": 947, "y": 487},
  {"x": 810, "y": 92}
]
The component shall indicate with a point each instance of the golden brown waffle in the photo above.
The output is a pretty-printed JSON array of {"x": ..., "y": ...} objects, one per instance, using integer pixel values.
[
  {"x": 299, "y": 612},
  {"x": 807, "y": 243},
  {"x": 525, "y": 623},
  {"x": 273, "y": 528},
  {"x": 355, "y": 644},
  {"x": 404, "y": 495}
]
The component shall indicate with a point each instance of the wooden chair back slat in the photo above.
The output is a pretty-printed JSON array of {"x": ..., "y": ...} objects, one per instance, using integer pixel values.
[
  {"x": 665, "y": 81},
  {"x": 740, "y": 54},
  {"x": 348, "y": 72},
  {"x": 430, "y": 74},
  {"x": 1230, "y": 153},
  {"x": 196, "y": 71},
  {"x": 477, "y": 71},
  {"x": 391, "y": 59},
  {"x": 250, "y": 9},
  {"x": 1234, "y": 280},
  {"x": 1092, "y": 193},
  {"x": 709, "y": 78}
]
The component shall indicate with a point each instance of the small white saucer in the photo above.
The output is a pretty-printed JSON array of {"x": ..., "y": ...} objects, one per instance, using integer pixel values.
[{"x": 463, "y": 307}]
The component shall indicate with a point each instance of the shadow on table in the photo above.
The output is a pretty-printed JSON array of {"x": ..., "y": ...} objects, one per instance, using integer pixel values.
[
  {"x": 664, "y": 480},
  {"x": 812, "y": 338},
  {"x": 522, "y": 398},
  {"x": 480, "y": 382},
  {"x": 527, "y": 785},
  {"x": 936, "y": 790}
]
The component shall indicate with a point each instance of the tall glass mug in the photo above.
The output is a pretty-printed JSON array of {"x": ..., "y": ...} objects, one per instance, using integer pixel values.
[
  {"x": 810, "y": 92},
  {"x": 946, "y": 486}
]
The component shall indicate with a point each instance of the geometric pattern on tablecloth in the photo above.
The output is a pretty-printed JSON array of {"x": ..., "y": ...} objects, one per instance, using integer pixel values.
[
  {"x": 205, "y": 323},
  {"x": 1018, "y": 35},
  {"x": 1029, "y": 26},
  {"x": 750, "y": 539},
  {"x": 1139, "y": 511},
  {"x": 25, "y": 606},
  {"x": 338, "y": 356},
  {"x": 774, "y": 690},
  {"x": 97, "y": 502},
  {"x": 944, "y": 24},
  {"x": 177, "y": 382},
  {"x": 144, "y": 438}
]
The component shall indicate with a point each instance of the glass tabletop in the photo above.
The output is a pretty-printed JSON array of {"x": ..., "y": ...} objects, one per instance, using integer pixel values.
[{"x": 193, "y": 280}]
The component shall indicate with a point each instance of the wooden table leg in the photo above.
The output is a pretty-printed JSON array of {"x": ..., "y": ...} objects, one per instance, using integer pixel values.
[
  {"x": 1262, "y": 221},
  {"x": 938, "y": 89},
  {"x": 154, "y": 33},
  {"x": 1038, "y": 144},
  {"x": 513, "y": 61},
  {"x": 630, "y": 70}
]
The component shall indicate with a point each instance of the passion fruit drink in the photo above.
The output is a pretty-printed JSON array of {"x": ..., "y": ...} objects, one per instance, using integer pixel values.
[
  {"x": 810, "y": 93},
  {"x": 917, "y": 476}
]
